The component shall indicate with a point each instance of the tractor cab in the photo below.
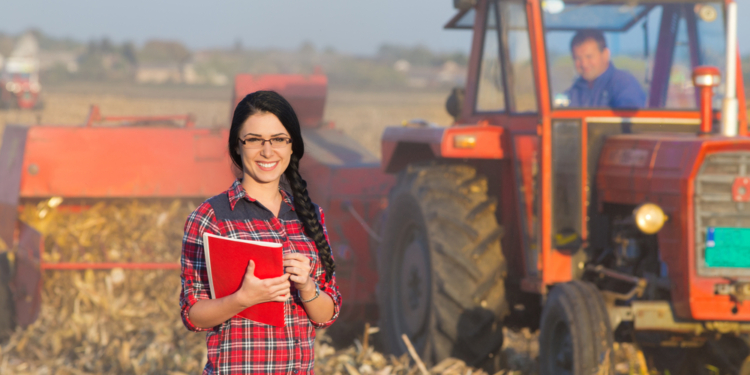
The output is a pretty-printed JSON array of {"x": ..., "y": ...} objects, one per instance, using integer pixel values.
[
  {"x": 523, "y": 54},
  {"x": 657, "y": 45},
  {"x": 603, "y": 138}
]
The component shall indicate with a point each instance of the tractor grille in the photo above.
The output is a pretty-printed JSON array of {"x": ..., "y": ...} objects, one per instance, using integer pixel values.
[{"x": 715, "y": 207}]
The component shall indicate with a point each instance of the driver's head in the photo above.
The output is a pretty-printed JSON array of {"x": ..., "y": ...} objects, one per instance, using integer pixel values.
[{"x": 590, "y": 53}]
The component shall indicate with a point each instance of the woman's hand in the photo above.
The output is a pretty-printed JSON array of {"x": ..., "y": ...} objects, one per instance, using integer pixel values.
[
  {"x": 254, "y": 290},
  {"x": 298, "y": 267}
]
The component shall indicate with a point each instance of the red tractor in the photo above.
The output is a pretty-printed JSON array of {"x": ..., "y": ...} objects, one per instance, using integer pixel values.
[
  {"x": 19, "y": 90},
  {"x": 593, "y": 224}
]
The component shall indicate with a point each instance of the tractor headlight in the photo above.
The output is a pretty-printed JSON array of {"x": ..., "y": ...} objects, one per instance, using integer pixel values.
[
  {"x": 649, "y": 218},
  {"x": 464, "y": 141}
]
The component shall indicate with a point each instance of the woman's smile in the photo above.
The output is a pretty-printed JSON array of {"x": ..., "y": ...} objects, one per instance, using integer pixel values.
[{"x": 267, "y": 166}]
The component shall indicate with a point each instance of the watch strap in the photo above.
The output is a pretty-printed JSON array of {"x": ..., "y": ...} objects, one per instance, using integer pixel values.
[{"x": 317, "y": 293}]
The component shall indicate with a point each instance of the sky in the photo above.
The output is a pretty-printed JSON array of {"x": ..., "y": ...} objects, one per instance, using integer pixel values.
[{"x": 352, "y": 26}]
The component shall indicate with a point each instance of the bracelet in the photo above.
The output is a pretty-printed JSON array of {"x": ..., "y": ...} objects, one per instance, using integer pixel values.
[{"x": 317, "y": 293}]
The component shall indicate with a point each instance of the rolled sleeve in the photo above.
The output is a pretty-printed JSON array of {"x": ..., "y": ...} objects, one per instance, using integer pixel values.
[
  {"x": 330, "y": 287},
  {"x": 194, "y": 276}
]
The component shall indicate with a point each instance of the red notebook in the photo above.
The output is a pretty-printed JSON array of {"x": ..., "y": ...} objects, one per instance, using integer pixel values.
[{"x": 227, "y": 260}]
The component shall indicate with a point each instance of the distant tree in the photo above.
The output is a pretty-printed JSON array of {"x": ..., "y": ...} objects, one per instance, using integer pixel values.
[
  {"x": 50, "y": 43},
  {"x": 104, "y": 60},
  {"x": 417, "y": 55},
  {"x": 106, "y": 45},
  {"x": 129, "y": 53},
  {"x": 307, "y": 48},
  {"x": 163, "y": 51}
]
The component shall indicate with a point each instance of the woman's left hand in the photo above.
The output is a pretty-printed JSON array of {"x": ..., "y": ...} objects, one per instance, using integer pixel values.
[{"x": 298, "y": 266}]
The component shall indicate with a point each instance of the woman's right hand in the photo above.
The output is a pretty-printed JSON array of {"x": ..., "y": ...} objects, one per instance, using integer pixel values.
[{"x": 254, "y": 290}]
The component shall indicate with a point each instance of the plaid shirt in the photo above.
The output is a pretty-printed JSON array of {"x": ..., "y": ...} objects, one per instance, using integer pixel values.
[{"x": 239, "y": 345}]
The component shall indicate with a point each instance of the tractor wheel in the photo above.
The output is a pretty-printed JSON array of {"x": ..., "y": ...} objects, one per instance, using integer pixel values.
[
  {"x": 576, "y": 336},
  {"x": 7, "y": 309},
  {"x": 441, "y": 268}
]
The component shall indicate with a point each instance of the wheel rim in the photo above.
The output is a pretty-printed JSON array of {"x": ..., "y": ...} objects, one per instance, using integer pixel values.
[
  {"x": 412, "y": 287},
  {"x": 562, "y": 350}
]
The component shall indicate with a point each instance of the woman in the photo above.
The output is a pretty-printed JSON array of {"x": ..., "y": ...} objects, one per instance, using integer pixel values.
[{"x": 265, "y": 142}]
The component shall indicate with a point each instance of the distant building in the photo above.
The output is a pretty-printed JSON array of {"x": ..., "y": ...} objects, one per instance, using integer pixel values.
[
  {"x": 449, "y": 74},
  {"x": 159, "y": 73},
  {"x": 402, "y": 66},
  {"x": 49, "y": 59}
]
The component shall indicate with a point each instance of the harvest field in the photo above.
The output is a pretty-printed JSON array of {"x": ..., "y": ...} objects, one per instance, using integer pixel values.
[{"x": 102, "y": 321}]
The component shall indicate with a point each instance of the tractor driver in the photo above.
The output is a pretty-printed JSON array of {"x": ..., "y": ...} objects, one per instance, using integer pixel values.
[{"x": 600, "y": 84}]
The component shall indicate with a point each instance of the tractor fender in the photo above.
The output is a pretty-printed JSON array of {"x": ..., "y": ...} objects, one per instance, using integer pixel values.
[
  {"x": 26, "y": 282},
  {"x": 11, "y": 161},
  {"x": 403, "y": 145}
]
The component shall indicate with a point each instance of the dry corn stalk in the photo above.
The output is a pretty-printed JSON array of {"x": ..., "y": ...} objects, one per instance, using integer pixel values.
[
  {"x": 360, "y": 359},
  {"x": 116, "y": 321}
]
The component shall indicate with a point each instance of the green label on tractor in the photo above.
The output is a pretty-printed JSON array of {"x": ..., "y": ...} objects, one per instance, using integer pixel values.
[{"x": 728, "y": 247}]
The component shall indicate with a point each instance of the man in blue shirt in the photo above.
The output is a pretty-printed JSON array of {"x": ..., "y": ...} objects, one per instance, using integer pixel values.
[{"x": 600, "y": 84}]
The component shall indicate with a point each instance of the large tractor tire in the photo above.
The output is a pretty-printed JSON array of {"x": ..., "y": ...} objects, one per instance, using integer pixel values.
[
  {"x": 576, "y": 336},
  {"x": 440, "y": 265},
  {"x": 7, "y": 307}
]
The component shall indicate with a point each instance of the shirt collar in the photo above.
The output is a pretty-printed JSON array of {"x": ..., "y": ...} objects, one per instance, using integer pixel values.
[{"x": 237, "y": 192}]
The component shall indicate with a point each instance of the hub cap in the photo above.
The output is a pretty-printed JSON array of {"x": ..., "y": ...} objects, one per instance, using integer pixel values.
[{"x": 414, "y": 288}]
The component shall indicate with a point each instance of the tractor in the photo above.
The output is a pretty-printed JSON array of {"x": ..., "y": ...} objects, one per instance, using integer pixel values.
[
  {"x": 19, "y": 76},
  {"x": 594, "y": 225}
]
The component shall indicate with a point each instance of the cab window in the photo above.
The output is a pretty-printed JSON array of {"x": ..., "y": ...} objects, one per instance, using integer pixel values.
[
  {"x": 630, "y": 54},
  {"x": 490, "y": 83},
  {"x": 520, "y": 69}
]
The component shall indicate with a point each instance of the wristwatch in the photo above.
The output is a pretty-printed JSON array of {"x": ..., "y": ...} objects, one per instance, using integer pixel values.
[{"x": 317, "y": 293}]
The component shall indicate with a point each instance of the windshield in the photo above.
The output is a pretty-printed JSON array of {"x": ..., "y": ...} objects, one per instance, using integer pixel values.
[{"x": 631, "y": 54}]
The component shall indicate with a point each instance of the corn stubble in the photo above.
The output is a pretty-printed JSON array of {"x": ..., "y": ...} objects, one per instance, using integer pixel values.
[
  {"x": 127, "y": 321},
  {"x": 114, "y": 321}
]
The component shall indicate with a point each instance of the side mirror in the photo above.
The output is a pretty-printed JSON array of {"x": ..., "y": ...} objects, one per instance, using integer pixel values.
[{"x": 455, "y": 102}]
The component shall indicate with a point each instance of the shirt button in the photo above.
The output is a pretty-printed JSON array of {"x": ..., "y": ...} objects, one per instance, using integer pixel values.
[
  {"x": 296, "y": 371},
  {"x": 296, "y": 342}
]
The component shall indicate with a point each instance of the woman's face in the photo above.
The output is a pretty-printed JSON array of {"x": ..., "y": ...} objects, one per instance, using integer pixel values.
[{"x": 266, "y": 163}]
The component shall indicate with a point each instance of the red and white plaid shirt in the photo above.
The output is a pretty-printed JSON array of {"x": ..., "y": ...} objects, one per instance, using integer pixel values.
[{"x": 239, "y": 345}]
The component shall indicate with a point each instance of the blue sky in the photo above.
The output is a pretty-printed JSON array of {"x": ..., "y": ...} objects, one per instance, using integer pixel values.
[{"x": 354, "y": 26}]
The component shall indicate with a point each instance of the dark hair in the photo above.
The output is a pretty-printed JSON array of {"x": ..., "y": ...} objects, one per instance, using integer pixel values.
[
  {"x": 589, "y": 34},
  {"x": 272, "y": 102}
]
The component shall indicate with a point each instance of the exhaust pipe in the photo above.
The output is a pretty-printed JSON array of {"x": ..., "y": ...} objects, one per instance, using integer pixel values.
[{"x": 729, "y": 108}]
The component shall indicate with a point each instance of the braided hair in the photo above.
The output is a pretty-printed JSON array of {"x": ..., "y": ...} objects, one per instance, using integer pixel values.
[{"x": 272, "y": 102}]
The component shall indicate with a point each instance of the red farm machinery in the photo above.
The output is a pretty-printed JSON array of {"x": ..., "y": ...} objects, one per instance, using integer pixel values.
[
  {"x": 593, "y": 225},
  {"x": 158, "y": 157},
  {"x": 19, "y": 76}
]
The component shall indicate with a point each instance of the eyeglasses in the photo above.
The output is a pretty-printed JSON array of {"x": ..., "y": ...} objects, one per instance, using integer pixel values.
[{"x": 276, "y": 142}]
